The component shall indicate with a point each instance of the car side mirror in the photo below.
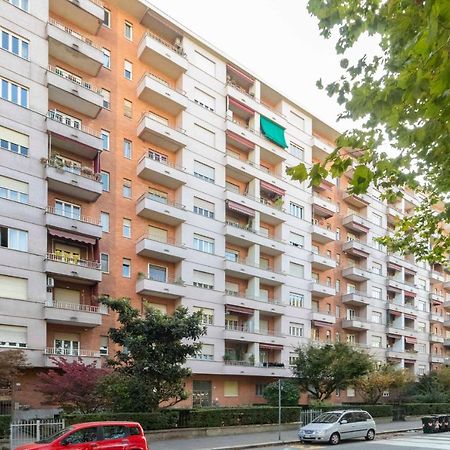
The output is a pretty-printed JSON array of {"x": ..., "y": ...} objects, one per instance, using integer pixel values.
[{"x": 343, "y": 421}]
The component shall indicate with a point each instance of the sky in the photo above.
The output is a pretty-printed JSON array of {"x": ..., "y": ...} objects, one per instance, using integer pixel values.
[{"x": 275, "y": 39}]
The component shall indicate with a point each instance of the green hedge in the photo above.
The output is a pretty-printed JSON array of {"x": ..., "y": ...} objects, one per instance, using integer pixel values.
[
  {"x": 424, "y": 409},
  {"x": 4, "y": 426},
  {"x": 373, "y": 410}
]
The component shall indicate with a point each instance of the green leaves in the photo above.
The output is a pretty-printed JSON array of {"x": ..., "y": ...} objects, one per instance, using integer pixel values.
[{"x": 361, "y": 180}]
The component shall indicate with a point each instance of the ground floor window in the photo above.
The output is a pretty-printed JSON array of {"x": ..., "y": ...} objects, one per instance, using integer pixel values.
[{"x": 201, "y": 393}]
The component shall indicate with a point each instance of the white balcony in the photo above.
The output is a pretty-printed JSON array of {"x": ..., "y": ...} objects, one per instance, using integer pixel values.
[
  {"x": 317, "y": 316},
  {"x": 162, "y": 55},
  {"x": 356, "y": 224},
  {"x": 162, "y": 135},
  {"x": 163, "y": 251},
  {"x": 446, "y": 342},
  {"x": 159, "y": 172},
  {"x": 436, "y": 318},
  {"x": 321, "y": 290},
  {"x": 85, "y": 14},
  {"x": 356, "y": 249},
  {"x": 436, "y": 298},
  {"x": 356, "y": 299},
  {"x": 246, "y": 270},
  {"x": 86, "y": 226},
  {"x": 446, "y": 286},
  {"x": 88, "y": 356},
  {"x": 435, "y": 359},
  {"x": 247, "y": 333},
  {"x": 322, "y": 235},
  {"x": 394, "y": 354},
  {"x": 84, "y": 271},
  {"x": 436, "y": 338},
  {"x": 156, "y": 91},
  {"x": 356, "y": 273},
  {"x": 320, "y": 262},
  {"x": 323, "y": 206},
  {"x": 168, "y": 288},
  {"x": 355, "y": 324},
  {"x": 436, "y": 277},
  {"x": 266, "y": 305},
  {"x": 74, "y": 314},
  {"x": 74, "y": 49},
  {"x": 73, "y": 92},
  {"x": 357, "y": 200},
  {"x": 169, "y": 212}
]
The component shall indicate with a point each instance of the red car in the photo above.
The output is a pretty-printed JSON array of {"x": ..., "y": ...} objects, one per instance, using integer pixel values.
[{"x": 94, "y": 435}]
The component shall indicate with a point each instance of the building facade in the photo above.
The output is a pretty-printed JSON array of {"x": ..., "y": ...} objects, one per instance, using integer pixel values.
[{"x": 136, "y": 160}]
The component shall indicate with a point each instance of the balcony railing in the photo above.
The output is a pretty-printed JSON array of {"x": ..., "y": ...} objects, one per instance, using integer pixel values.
[
  {"x": 161, "y": 200},
  {"x": 73, "y": 261},
  {"x": 74, "y": 79},
  {"x": 57, "y": 117},
  {"x": 150, "y": 116},
  {"x": 170, "y": 241},
  {"x": 163, "y": 82},
  {"x": 251, "y": 230},
  {"x": 59, "y": 162},
  {"x": 262, "y": 200},
  {"x": 177, "y": 49},
  {"x": 73, "y": 33},
  {"x": 66, "y": 352},
  {"x": 258, "y": 299},
  {"x": 161, "y": 279},
  {"x": 151, "y": 155},
  {"x": 250, "y": 329},
  {"x": 263, "y": 266},
  {"x": 102, "y": 309},
  {"x": 85, "y": 219}
]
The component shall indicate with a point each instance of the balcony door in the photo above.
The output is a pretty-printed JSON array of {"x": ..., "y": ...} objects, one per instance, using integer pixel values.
[
  {"x": 66, "y": 345},
  {"x": 157, "y": 273}
]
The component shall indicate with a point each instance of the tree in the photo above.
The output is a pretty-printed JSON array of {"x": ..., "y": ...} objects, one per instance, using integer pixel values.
[
  {"x": 399, "y": 96},
  {"x": 428, "y": 389},
  {"x": 73, "y": 385},
  {"x": 12, "y": 362},
  {"x": 290, "y": 393},
  {"x": 322, "y": 370},
  {"x": 149, "y": 364},
  {"x": 372, "y": 385},
  {"x": 443, "y": 376}
]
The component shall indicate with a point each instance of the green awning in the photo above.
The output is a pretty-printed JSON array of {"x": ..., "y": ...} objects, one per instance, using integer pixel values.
[{"x": 273, "y": 132}]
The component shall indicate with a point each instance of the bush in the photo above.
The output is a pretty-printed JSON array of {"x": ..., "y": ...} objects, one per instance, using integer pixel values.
[
  {"x": 424, "y": 409},
  {"x": 4, "y": 426},
  {"x": 373, "y": 410}
]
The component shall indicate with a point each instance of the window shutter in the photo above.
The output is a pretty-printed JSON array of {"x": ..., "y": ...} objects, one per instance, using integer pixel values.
[
  {"x": 204, "y": 171},
  {"x": 205, "y": 63},
  {"x": 204, "y": 277},
  {"x": 208, "y": 349},
  {"x": 67, "y": 337},
  {"x": 157, "y": 234},
  {"x": 14, "y": 185},
  {"x": 200, "y": 203},
  {"x": 297, "y": 270},
  {"x": 231, "y": 287},
  {"x": 159, "y": 118},
  {"x": 230, "y": 388},
  {"x": 159, "y": 306},
  {"x": 13, "y": 287},
  {"x": 264, "y": 294},
  {"x": 12, "y": 334},
  {"x": 14, "y": 136},
  {"x": 204, "y": 99},
  {"x": 204, "y": 135},
  {"x": 67, "y": 296}
]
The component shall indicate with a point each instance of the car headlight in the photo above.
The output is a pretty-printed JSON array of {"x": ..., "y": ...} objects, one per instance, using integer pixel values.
[{"x": 320, "y": 433}]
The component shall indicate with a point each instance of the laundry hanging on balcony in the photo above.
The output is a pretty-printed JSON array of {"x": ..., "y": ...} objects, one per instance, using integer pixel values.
[{"x": 273, "y": 132}]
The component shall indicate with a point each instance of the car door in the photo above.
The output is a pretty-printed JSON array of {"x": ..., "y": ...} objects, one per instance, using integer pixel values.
[
  {"x": 360, "y": 422},
  {"x": 114, "y": 437},
  {"x": 346, "y": 430},
  {"x": 80, "y": 439}
]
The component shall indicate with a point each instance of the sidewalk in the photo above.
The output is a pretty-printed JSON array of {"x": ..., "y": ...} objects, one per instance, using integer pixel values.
[{"x": 237, "y": 440}]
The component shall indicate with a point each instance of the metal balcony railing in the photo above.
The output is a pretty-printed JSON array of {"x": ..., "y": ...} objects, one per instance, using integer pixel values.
[{"x": 73, "y": 261}]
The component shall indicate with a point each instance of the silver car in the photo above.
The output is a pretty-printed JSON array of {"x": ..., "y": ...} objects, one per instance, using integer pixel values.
[{"x": 334, "y": 426}]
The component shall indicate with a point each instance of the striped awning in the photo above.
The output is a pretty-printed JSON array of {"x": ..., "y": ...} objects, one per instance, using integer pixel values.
[
  {"x": 394, "y": 266},
  {"x": 240, "y": 105},
  {"x": 240, "y": 208},
  {"x": 410, "y": 294},
  {"x": 238, "y": 310},
  {"x": 270, "y": 347},
  {"x": 410, "y": 271},
  {"x": 272, "y": 188},
  {"x": 240, "y": 140},
  {"x": 394, "y": 289},
  {"x": 317, "y": 323},
  {"x": 240, "y": 74},
  {"x": 393, "y": 336},
  {"x": 410, "y": 340},
  {"x": 409, "y": 316},
  {"x": 71, "y": 236},
  {"x": 393, "y": 312}
]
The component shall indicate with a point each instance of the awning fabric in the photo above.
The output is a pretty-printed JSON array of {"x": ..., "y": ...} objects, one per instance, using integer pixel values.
[
  {"x": 270, "y": 347},
  {"x": 273, "y": 132},
  {"x": 240, "y": 105},
  {"x": 410, "y": 294},
  {"x": 437, "y": 302},
  {"x": 410, "y": 361},
  {"x": 235, "y": 137},
  {"x": 394, "y": 289},
  {"x": 317, "y": 323},
  {"x": 394, "y": 266},
  {"x": 410, "y": 271},
  {"x": 71, "y": 236},
  {"x": 239, "y": 310},
  {"x": 241, "y": 74},
  {"x": 241, "y": 208},
  {"x": 357, "y": 252},
  {"x": 272, "y": 188},
  {"x": 409, "y": 316},
  {"x": 395, "y": 313},
  {"x": 410, "y": 340},
  {"x": 393, "y": 336}
]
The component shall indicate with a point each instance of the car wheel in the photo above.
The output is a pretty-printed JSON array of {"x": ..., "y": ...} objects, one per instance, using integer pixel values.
[
  {"x": 370, "y": 436},
  {"x": 335, "y": 439}
]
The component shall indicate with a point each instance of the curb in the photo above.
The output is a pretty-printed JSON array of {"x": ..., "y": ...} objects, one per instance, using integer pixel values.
[{"x": 278, "y": 443}]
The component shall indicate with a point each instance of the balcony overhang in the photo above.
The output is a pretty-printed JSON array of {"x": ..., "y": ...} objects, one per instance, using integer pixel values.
[
  {"x": 358, "y": 201},
  {"x": 163, "y": 174}
]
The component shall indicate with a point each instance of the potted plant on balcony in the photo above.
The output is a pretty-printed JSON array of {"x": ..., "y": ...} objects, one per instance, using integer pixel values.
[
  {"x": 251, "y": 359},
  {"x": 87, "y": 172},
  {"x": 140, "y": 275},
  {"x": 227, "y": 357}
]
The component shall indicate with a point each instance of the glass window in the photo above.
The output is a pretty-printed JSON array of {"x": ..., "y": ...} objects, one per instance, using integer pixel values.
[
  {"x": 204, "y": 172},
  {"x": 296, "y": 300},
  {"x": 81, "y": 436},
  {"x": 68, "y": 210},
  {"x": 106, "y": 58},
  {"x": 203, "y": 243},
  {"x": 126, "y": 228},
  {"x": 127, "y": 149},
  {"x": 297, "y": 240},
  {"x": 296, "y": 210},
  {"x": 296, "y": 329},
  {"x": 14, "y": 239},
  {"x": 157, "y": 273},
  {"x": 14, "y": 93},
  {"x": 207, "y": 315},
  {"x": 14, "y": 44},
  {"x": 105, "y": 180},
  {"x": 106, "y": 17},
  {"x": 128, "y": 30},
  {"x": 106, "y": 98},
  {"x": 104, "y": 219},
  {"x": 22, "y": 4},
  {"x": 128, "y": 70},
  {"x": 105, "y": 139},
  {"x": 126, "y": 268},
  {"x": 127, "y": 108},
  {"x": 297, "y": 151},
  {"x": 114, "y": 432},
  {"x": 104, "y": 261},
  {"x": 126, "y": 188}
]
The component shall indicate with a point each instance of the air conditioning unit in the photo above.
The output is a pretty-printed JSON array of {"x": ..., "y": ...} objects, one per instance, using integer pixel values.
[{"x": 50, "y": 282}]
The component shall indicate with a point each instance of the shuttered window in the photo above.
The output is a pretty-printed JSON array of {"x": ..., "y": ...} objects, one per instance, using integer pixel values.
[
  {"x": 231, "y": 288},
  {"x": 159, "y": 306},
  {"x": 70, "y": 296},
  {"x": 206, "y": 352},
  {"x": 297, "y": 120},
  {"x": 203, "y": 207},
  {"x": 203, "y": 279},
  {"x": 205, "y": 63},
  {"x": 206, "y": 173},
  {"x": 203, "y": 243},
  {"x": 13, "y": 287},
  {"x": 159, "y": 118},
  {"x": 104, "y": 342},
  {"x": 12, "y": 336},
  {"x": 157, "y": 234},
  {"x": 14, "y": 239},
  {"x": 207, "y": 315},
  {"x": 14, "y": 190},
  {"x": 205, "y": 100},
  {"x": 14, "y": 141},
  {"x": 297, "y": 270},
  {"x": 230, "y": 388},
  {"x": 203, "y": 135},
  {"x": 297, "y": 240}
]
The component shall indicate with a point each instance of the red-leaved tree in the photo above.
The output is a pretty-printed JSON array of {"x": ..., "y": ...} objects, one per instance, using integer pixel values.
[{"x": 73, "y": 386}]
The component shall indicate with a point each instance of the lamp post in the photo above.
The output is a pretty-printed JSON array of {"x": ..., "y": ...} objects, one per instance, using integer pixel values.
[{"x": 279, "y": 409}]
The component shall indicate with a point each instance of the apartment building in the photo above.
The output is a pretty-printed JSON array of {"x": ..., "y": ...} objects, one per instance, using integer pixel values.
[{"x": 136, "y": 160}]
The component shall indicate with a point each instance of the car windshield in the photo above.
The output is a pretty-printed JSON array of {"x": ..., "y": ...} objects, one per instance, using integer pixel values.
[
  {"x": 327, "y": 418},
  {"x": 55, "y": 436}
]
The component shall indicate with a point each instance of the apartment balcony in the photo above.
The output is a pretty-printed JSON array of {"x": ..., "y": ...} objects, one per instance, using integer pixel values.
[
  {"x": 246, "y": 237},
  {"x": 170, "y": 213},
  {"x": 156, "y": 91},
  {"x": 355, "y": 324},
  {"x": 269, "y": 306},
  {"x": 393, "y": 214},
  {"x": 446, "y": 286},
  {"x": 159, "y": 172},
  {"x": 435, "y": 359},
  {"x": 397, "y": 286},
  {"x": 436, "y": 277},
  {"x": 436, "y": 338},
  {"x": 321, "y": 290},
  {"x": 356, "y": 248},
  {"x": 395, "y": 354},
  {"x": 357, "y": 201},
  {"x": 323, "y": 207},
  {"x": 436, "y": 298},
  {"x": 88, "y": 356},
  {"x": 321, "y": 234},
  {"x": 168, "y": 288},
  {"x": 74, "y": 49},
  {"x": 162, "y": 135},
  {"x": 321, "y": 317},
  {"x": 85, "y": 14},
  {"x": 247, "y": 333},
  {"x": 321, "y": 263},
  {"x": 162, "y": 55},
  {"x": 81, "y": 140},
  {"x": 86, "y": 226},
  {"x": 355, "y": 273},
  {"x": 268, "y": 369},
  {"x": 162, "y": 251},
  {"x": 446, "y": 342},
  {"x": 245, "y": 269},
  {"x": 356, "y": 224},
  {"x": 73, "y": 92},
  {"x": 436, "y": 318},
  {"x": 85, "y": 185},
  {"x": 398, "y": 260},
  {"x": 447, "y": 322},
  {"x": 68, "y": 269},
  {"x": 74, "y": 314},
  {"x": 356, "y": 299},
  {"x": 447, "y": 304}
]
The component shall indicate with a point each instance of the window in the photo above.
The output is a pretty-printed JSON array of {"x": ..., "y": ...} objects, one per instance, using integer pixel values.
[
  {"x": 126, "y": 188},
  {"x": 338, "y": 313},
  {"x": 421, "y": 283},
  {"x": 292, "y": 359},
  {"x": 205, "y": 63},
  {"x": 296, "y": 270},
  {"x": 377, "y": 293},
  {"x": 376, "y": 317},
  {"x": 126, "y": 268},
  {"x": 421, "y": 369},
  {"x": 297, "y": 240},
  {"x": 128, "y": 30},
  {"x": 157, "y": 234},
  {"x": 421, "y": 305},
  {"x": 337, "y": 286},
  {"x": 14, "y": 239},
  {"x": 158, "y": 196},
  {"x": 203, "y": 208},
  {"x": 421, "y": 348},
  {"x": 104, "y": 261},
  {"x": 206, "y": 352},
  {"x": 127, "y": 108},
  {"x": 377, "y": 341},
  {"x": 15, "y": 190},
  {"x": 421, "y": 327},
  {"x": 67, "y": 209},
  {"x": 296, "y": 329},
  {"x": 105, "y": 181},
  {"x": 13, "y": 141},
  {"x": 203, "y": 244},
  {"x": 127, "y": 149},
  {"x": 259, "y": 389},
  {"x": 104, "y": 220},
  {"x": 296, "y": 210},
  {"x": 15, "y": 44},
  {"x": 297, "y": 151},
  {"x": 80, "y": 436},
  {"x": 338, "y": 259},
  {"x": 205, "y": 100},
  {"x": 296, "y": 300},
  {"x": 338, "y": 234},
  {"x": 106, "y": 98},
  {"x": 206, "y": 173},
  {"x": 377, "y": 268},
  {"x": 126, "y": 228},
  {"x": 14, "y": 93},
  {"x": 231, "y": 255},
  {"x": 203, "y": 280},
  {"x": 156, "y": 156},
  {"x": 106, "y": 58},
  {"x": 157, "y": 273},
  {"x": 203, "y": 135},
  {"x": 128, "y": 70},
  {"x": 13, "y": 287},
  {"x": 64, "y": 118},
  {"x": 230, "y": 389},
  {"x": 207, "y": 315},
  {"x": 12, "y": 336},
  {"x": 22, "y": 4},
  {"x": 107, "y": 17},
  {"x": 377, "y": 245},
  {"x": 297, "y": 120},
  {"x": 158, "y": 118},
  {"x": 105, "y": 139},
  {"x": 377, "y": 219}
]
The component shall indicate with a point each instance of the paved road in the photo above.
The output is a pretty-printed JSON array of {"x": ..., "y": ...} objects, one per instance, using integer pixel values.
[{"x": 406, "y": 441}]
